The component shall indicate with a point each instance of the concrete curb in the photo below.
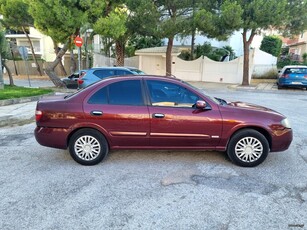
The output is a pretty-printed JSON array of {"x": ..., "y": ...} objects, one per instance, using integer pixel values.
[
  {"x": 12, "y": 121},
  {"x": 21, "y": 100}
]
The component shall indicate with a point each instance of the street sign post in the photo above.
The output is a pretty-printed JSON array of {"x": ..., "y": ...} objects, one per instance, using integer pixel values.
[
  {"x": 24, "y": 55},
  {"x": 79, "y": 42}
]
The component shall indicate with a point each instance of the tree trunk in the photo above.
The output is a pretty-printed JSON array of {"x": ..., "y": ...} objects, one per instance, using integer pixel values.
[
  {"x": 33, "y": 52},
  {"x": 56, "y": 50},
  {"x": 73, "y": 64},
  {"x": 120, "y": 53},
  {"x": 50, "y": 69},
  {"x": 169, "y": 56},
  {"x": 9, "y": 73},
  {"x": 14, "y": 62},
  {"x": 246, "y": 46}
]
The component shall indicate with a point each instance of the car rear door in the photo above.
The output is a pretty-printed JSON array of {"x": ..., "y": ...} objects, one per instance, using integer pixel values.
[
  {"x": 174, "y": 120},
  {"x": 120, "y": 110}
]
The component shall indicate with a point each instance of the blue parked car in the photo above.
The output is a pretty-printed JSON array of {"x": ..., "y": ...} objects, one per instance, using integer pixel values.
[
  {"x": 95, "y": 74},
  {"x": 293, "y": 76}
]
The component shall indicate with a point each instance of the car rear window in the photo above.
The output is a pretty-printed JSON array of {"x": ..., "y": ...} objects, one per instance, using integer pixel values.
[
  {"x": 103, "y": 73},
  {"x": 137, "y": 72},
  {"x": 296, "y": 70}
]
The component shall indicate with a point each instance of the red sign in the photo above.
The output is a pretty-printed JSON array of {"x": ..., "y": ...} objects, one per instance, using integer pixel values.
[{"x": 78, "y": 41}]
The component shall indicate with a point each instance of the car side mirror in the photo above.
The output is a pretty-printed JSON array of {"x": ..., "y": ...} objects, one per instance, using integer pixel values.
[{"x": 201, "y": 105}]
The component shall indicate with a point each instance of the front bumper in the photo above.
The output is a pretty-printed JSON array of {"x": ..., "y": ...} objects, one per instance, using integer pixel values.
[{"x": 281, "y": 140}]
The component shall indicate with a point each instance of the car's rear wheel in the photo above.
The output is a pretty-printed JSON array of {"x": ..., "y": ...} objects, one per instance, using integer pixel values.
[
  {"x": 248, "y": 148},
  {"x": 88, "y": 147}
]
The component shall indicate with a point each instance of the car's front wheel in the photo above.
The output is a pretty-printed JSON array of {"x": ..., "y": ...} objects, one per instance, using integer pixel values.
[
  {"x": 248, "y": 148},
  {"x": 88, "y": 147}
]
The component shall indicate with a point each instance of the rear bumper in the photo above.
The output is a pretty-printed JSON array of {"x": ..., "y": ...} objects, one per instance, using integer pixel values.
[
  {"x": 294, "y": 83},
  {"x": 52, "y": 137}
]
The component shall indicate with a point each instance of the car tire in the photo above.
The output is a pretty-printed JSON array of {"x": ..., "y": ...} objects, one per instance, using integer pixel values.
[
  {"x": 248, "y": 148},
  {"x": 88, "y": 147}
]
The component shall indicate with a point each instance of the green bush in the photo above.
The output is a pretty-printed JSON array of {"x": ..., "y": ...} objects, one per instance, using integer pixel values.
[
  {"x": 209, "y": 51},
  {"x": 271, "y": 45},
  {"x": 286, "y": 61}
]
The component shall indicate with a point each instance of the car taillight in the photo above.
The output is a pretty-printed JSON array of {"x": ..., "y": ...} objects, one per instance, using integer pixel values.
[
  {"x": 80, "y": 81},
  {"x": 38, "y": 115},
  {"x": 284, "y": 76}
]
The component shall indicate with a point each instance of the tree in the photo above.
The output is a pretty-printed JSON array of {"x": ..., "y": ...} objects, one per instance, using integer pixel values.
[
  {"x": 61, "y": 20},
  {"x": 16, "y": 16},
  {"x": 4, "y": 54},
  {"x": 175, "y": 17},
  {"x": 289, "y": 16},
  {"x": 259, "y": 15},
  {"x": 271, "y": 45},
  {"x": 182, "y": 17},
  {"x": 137, "y": 42},
  {"x": 114, "y": 26}
]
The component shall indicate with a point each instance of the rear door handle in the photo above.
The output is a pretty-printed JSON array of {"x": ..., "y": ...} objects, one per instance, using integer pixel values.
[
  {"x": 158, "y": 115},
  {"x": 96, "y": 113}
]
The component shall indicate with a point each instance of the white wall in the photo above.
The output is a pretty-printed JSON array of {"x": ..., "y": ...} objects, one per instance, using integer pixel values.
[
  {"x": 188, "y": 70},
  {"x": 202, "y": 69},
  {"x": 101, "y": 60},
  {"x": 263, "y": 62},
  {"x": 226, "y": 72}
]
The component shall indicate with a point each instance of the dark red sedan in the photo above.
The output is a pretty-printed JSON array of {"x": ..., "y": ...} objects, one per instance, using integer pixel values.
[{"x": 151, "y": 112}]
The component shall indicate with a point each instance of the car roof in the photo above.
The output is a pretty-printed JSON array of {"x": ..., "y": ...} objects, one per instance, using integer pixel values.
[
  {"x": 140, "y": 76},
  {"x": 294, "y": 66},
  {"x": 114, "y": 67}
]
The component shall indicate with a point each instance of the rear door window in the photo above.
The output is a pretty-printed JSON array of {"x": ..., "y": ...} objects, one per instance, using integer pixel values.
[
  {"x": 104, "y": 73},
  {"x": 127, "y": 92}
]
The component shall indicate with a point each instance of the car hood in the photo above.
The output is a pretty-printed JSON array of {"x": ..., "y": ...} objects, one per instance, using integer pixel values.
[{"x": 249, "y": 106}]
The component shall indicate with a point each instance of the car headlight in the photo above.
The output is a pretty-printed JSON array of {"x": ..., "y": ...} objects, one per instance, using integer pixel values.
[{"x": 286, "y": 123}]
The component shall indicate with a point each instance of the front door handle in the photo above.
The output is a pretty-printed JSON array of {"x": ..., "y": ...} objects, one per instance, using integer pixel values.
[
  {"x": 158, "y": 115},
  {"x": 96, "y": 113}
]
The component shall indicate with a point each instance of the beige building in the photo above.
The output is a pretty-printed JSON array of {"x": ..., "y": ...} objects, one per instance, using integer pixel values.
[
  {"x": 298, "y": 46},
  {"x": 42, "y": 44}
]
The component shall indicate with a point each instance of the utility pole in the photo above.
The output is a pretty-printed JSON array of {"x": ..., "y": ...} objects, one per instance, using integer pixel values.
[
  {"x": 1, "y": 74},
  {"x": 193, "y": 31}
]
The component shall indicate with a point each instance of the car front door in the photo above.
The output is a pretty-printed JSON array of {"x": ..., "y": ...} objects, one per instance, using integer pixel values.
[
  {"x": 120, "y": 110},
  {"x": 174, "y": 120}
]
